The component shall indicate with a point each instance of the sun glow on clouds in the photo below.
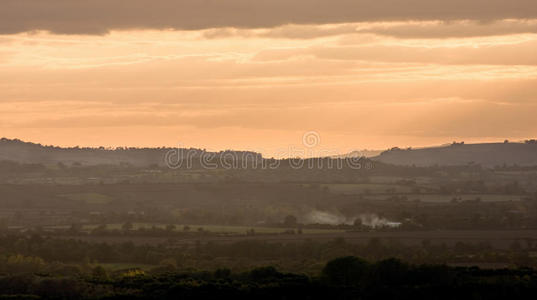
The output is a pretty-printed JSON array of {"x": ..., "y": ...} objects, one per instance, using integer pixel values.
[{"x": 361, "y": 85}]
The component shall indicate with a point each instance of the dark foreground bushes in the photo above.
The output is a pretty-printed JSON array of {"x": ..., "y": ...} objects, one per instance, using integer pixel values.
[{"x": 342, "y": 278}]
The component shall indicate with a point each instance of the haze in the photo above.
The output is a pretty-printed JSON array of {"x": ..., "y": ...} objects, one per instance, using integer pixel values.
[{"x": 256, "y": 75}]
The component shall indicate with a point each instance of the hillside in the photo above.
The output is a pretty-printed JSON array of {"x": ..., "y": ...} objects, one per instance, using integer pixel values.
[
  {"x": 359, "y": 153},
  {"x": 26, "y": 152},
  {"x": 487, "y": 154}
]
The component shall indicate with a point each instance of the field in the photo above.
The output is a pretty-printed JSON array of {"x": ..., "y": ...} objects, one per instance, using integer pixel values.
[
  {"x": 440, "y": 198},
  {"x": 366, "y": 188},
  {"x": 502, "y": 239},
  {"x": 222, "y": 229},
  {"x": 88, "y": 198}
]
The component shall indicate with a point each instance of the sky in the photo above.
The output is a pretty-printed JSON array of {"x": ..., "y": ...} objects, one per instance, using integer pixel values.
[{"x": 260, "y": 74}]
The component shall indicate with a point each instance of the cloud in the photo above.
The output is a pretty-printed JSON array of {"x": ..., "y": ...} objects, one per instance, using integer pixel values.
[
  {"x": 102, "y": 16},
  {"x": 5, "y": 55},
  {"x": 460, "y": 29},
  {"x": 522, "y": 53},
  {"x": 291, "y": 31},
  {"x": 400, "y": 30}
]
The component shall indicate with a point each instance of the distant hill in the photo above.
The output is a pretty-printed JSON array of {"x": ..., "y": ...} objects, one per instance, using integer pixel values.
[
  {"x": 487, "y": 154},
  {"x": 360, "y": 153},
  {"x": 26, "y": 152}
]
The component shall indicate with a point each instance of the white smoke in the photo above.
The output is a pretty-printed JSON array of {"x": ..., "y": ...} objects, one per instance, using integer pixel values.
[
  {"x": 373, "y": 221},
  {"x": 323, "y": 217},
  {"x": 369, "y": 220}
]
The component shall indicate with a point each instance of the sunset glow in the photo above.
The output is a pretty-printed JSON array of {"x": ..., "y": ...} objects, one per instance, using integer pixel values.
[{"x": 367, "y": 84}]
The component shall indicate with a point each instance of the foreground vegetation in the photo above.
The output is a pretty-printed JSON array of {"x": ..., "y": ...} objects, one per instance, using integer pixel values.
[
  {"x": 42, "y": 254},
  {"x": 342, "y": 278}
]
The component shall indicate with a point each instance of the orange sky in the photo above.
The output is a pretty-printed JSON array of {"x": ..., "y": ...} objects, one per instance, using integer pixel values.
[{"x": 359, "y": 84}]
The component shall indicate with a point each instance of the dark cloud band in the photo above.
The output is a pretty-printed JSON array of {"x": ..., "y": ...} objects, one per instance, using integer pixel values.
[{"x": 101, "y": 16}]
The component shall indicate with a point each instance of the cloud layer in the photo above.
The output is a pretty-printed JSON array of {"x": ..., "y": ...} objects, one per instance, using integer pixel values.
[
  {"x": 102, "y": 16},
  {"x": 257, "y": 74}
]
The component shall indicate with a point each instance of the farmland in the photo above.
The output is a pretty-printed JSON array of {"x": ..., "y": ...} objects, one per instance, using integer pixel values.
[{"x": 204, "y": 218}]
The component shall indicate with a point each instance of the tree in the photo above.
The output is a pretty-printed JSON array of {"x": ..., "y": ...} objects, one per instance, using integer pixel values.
[
  {"x": 3, "y": 225},
  {"x": 222, "y": 273},
  {"x": 101, "y": 229},
  {"x": 99, "y": 273},
  {"x": 265, "y": 274},
  {"x": 390, "y": 271},
  {"x": 290, "y": 221},
  {"x": 127, "y": 226},
  {"x": 75, "y": 228},
  {"x": 345, "y": 271},
  {"x": 170, "y": 227}
]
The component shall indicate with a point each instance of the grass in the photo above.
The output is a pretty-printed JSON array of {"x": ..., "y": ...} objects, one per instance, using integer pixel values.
[
  {"x": 469, "y": 197},
  {"x": 89, "y": 198},
  {"x": 219, "y": 228},
  {"x": 366, "y": 188},
  {"x": 441, "y": 198}
]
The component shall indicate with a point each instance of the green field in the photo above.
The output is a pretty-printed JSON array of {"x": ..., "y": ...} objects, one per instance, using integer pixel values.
[
  {"x": 88, "y": 198},
  {"x": 441, "y": 198},
  {"x": 366, "y": 188},
  {"x": 212, "y": 228}
]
